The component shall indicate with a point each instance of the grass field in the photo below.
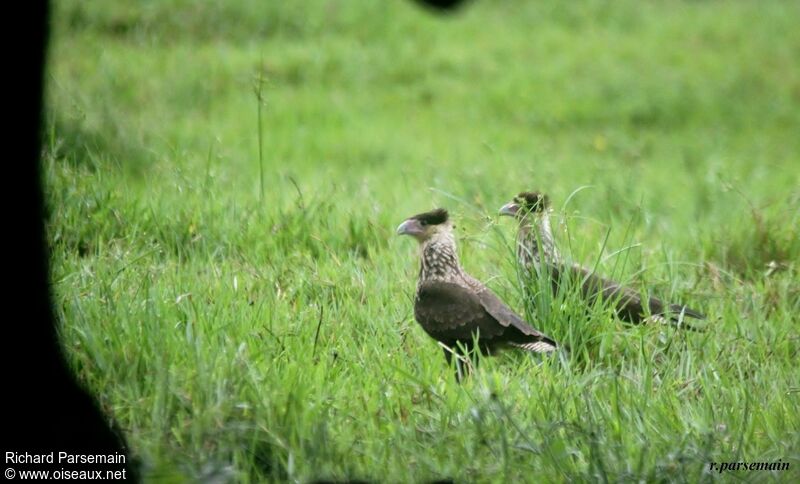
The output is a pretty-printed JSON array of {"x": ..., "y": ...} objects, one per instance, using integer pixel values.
[{"x": 225, "y": 178}]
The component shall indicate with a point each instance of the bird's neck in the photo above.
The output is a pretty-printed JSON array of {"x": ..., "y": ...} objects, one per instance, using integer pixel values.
[
  {"x": 535, "y": 241},
  {"x": 439, "y": 259}
]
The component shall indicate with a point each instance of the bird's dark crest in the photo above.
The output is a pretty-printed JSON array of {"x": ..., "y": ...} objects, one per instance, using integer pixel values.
[
  {"x": 434, "y": 217},
  {"x": 534, "y": 201}
]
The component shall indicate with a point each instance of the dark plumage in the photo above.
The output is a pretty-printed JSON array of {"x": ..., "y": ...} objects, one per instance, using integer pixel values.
[
  {"x": 533, "y": 201},
  {"x": 536, "y": 249},
  {"x": 434, "y": 217},
  {"x": 454, "y": 307}
]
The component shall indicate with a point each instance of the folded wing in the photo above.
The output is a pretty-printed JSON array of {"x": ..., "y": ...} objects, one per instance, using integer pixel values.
[
  {"x": 627, "y": 302},
  {"x": 451, "y": 313}
]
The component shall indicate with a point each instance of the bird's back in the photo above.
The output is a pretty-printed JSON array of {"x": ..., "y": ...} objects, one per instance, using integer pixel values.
[{"x": 453, "y": 313}]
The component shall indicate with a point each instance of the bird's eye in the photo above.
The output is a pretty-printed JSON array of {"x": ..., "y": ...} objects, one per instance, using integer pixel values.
[{"x": 423, "y": 223}]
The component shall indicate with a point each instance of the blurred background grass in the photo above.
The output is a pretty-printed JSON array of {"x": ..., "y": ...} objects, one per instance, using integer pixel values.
[{"x": 263, "y": 330}]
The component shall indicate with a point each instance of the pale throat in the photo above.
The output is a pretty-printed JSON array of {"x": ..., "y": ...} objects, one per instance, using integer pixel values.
[
  {"x": 439, "y": 260},
  {"x": 535, "y": 240}
]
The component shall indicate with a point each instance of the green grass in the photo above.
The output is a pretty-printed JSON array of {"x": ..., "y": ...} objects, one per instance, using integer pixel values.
[{"x": 268, "y": 335}]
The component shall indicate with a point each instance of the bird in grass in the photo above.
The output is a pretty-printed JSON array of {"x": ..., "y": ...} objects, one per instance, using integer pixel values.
[
  {"x": 537, "y": 254},
  {"x": 456, "y": 309}
]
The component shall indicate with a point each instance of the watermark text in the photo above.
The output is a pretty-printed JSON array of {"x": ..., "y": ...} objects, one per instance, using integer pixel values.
[
  {"x": 748, "y": 466},
  {"x": 24, "y": 466}
]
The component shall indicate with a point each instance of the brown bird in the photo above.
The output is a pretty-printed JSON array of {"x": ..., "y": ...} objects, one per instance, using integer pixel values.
[
  {"x": 537, "y": 251},
  {"x": 453, "y": 307}
]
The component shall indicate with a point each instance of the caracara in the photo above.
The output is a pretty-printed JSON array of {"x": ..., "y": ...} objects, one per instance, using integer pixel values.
[
  {"x": 455, "y": 308},
  {"x": 537, "y": 254}
]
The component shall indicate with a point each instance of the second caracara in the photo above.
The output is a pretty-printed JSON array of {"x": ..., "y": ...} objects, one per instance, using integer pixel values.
[
  {"x": 537, "y": 253},
  {"x": 455, "y": 308}
]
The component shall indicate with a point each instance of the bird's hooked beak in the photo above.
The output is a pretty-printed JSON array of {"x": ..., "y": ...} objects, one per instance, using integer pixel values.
[
  {"x": 410, "y": 227},
  {"x": 510, "y": 209}
]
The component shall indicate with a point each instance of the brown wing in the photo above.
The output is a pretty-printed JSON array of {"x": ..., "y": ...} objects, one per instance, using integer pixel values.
[
  {"x": 505, "y": 316},
  {"x": 451, "y": 313},
  {"x": 628, "y": 303}
]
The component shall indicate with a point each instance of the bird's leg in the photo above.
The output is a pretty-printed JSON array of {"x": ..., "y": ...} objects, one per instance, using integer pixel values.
[
  {"x": 448, "y": 357},
  {"x": 467, "y": 359},
  {"x": 463, "y": 366}
]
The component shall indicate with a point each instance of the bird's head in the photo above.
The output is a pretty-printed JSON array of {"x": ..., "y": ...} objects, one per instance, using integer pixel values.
[
  {"x": 526, "y": 202},
  {"x": 424, "y": 226}
]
